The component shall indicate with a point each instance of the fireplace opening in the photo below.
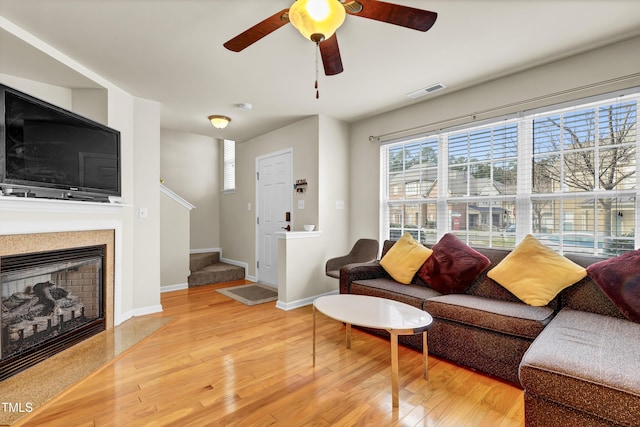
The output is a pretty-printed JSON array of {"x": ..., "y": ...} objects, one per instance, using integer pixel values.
[{"x": 50, "y": 301}]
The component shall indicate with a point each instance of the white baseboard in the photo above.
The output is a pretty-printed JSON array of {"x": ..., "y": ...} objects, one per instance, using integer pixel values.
[
  {"x": 147, "y": 310},
  {"x": 123, "y": 317},
  {"x": 286, "y": 306},
  {"x": 171, "y": 288},
  {"x": 238, "y": 264},
  {"x": 234, "y": 262},
  {"x": 138, "y": 312},
  {"x": 204, "y": 251}
]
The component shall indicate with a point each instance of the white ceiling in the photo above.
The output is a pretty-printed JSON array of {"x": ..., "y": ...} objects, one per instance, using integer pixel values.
[{"x": 171, "y": 51}]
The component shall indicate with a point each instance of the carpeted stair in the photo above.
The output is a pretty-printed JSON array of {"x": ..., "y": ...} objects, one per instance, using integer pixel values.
[{"x": 206, "y": 269}]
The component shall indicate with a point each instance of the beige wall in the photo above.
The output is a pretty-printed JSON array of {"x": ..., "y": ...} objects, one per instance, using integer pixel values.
[
  {"x": 302, "y": 258},
  {"x": 138, "y": 122},
  {"x": 91, "y": 103},
  {"x": 301, "y": 276},
  {"x": 237, "y": 222},
  {"x": 584, "y": 70},
  {"x": 321, "y": 156},
  {"x": 60, "y": 96},
  {"x": 174, "y": 242},
  {"x": 146, "y": 151},
  {"x": 334, "y": 192},
  {"x": 190, "y": 165}
]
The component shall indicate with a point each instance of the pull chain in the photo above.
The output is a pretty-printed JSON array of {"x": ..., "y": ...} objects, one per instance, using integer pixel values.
[{"x": 317, "y": 54}]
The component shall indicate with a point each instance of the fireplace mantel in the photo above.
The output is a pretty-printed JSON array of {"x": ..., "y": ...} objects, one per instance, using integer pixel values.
[{"x": 23, "y": 204}]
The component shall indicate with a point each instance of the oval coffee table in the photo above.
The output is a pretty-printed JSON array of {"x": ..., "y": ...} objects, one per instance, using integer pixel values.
[{"x": 379, "y": 313}]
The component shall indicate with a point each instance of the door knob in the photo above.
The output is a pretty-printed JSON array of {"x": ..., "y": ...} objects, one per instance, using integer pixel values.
[{"x": 288, "y": 227}]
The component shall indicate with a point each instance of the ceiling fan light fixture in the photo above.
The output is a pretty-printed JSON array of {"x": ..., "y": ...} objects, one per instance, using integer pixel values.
[
  {"x": 219, "y": 122},
  {"x": 317, "y": 20}
]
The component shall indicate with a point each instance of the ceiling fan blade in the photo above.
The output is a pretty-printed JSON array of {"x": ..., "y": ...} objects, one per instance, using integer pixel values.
[
  {"x": 404, "y": 16},
  {"x": 330, "y": 53},
  {"x": 258, "y": 31}
]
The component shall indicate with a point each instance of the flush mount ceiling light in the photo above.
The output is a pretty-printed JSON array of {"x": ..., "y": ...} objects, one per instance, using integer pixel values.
[
  {"x": 219, "y": 122},
  {"x": 317, "y": 20}
]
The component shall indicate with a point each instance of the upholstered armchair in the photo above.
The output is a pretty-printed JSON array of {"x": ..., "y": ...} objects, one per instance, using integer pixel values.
[{"x": 364, "y": 250}]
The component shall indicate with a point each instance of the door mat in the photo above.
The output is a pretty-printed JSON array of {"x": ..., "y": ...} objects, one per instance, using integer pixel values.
[{"x": 251, "y": 294}]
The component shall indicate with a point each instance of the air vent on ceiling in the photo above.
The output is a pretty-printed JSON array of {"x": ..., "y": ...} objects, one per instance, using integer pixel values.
[{"x": 426, "y": 90}]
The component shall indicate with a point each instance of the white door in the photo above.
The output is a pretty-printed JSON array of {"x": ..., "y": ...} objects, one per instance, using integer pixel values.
[{"x": 274, "y": 199}]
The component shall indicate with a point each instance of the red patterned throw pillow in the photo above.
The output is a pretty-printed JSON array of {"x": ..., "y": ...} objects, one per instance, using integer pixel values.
[
  {"x": 619, "y": 279},
  {"x": 453, "y": 266}
]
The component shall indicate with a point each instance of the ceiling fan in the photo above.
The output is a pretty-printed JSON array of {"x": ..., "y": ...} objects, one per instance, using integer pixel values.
[{"x": 318, "y": 20}]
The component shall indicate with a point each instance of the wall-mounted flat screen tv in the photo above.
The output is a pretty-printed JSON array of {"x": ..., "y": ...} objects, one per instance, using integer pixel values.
[{"x": 47, "y": 151}]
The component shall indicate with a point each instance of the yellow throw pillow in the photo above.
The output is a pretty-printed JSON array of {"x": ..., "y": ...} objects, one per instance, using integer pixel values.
[
  {"x": 404, "y": 258},
  {"x": 535, "y": 273}
]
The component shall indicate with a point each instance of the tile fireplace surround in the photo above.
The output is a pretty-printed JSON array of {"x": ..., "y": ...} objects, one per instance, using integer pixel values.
[{"x": 13, "y": 244}]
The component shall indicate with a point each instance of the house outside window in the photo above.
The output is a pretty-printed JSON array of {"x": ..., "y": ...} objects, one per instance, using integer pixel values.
[
  {"x": 566, "y": 175},
  {"x": 411, "y": 189}
]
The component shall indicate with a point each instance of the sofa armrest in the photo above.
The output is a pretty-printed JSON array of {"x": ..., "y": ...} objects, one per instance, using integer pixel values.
[{"x": 359, "y": 271}]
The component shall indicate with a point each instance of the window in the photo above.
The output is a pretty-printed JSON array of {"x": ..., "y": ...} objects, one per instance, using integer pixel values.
[
  {"x": 588, "y": 155},
  {"x": 229, "y": 168},
  {"x": 411, "y": 189},
  {"x": 481, "y": 185},
  {"x": 483, "y": 161},
  {"x": 566, "y": 175}
]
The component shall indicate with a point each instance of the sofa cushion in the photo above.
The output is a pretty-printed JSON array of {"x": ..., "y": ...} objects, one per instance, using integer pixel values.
[
  {"x": 535, "y": 273},
  {"x": 405, "y": 258},
  {"x": 452, "y": 266},
  {"x": 507, "y": 317},
  {"x": 588, "y": 362},
  {"x": 619, "y": 279},
  {"x": 411, "y": 294}
]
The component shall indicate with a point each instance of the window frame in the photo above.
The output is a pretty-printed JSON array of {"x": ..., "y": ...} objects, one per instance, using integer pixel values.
[
  {"x": 228, "y": 166},
  {"x": 524, "y": 198}
]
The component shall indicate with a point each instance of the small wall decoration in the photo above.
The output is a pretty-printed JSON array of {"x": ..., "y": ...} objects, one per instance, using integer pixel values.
[{"x": 300, "y": 185}]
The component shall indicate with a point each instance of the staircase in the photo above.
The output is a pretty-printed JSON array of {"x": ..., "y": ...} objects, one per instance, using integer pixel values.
[{"x": 206, "y": 269}]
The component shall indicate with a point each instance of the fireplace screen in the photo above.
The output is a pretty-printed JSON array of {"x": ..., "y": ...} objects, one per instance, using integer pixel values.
[{"x": 50, "y": 301}]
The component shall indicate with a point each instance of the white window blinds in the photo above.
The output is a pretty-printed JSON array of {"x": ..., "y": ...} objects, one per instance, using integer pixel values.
[
  {"x": 566, "y": 175},
  {"x": 229, "y": 167},
  {"x": 410, "y": 189},
  {"x": 584, "y": 187}
]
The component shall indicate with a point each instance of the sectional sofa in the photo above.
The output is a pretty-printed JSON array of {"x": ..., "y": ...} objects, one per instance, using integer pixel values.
[{"x": 576, "y": 357}]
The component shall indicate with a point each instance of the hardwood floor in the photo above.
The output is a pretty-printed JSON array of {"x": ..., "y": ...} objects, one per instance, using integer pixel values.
[{"x": 220, "y": 362}]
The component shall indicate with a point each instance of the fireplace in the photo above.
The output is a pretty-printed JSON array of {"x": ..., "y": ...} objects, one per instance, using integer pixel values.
[{"x": 51, "y": 300}]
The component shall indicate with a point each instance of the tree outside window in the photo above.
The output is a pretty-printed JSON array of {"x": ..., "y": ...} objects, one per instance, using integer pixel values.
[{"x": 581, "y": 192}]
